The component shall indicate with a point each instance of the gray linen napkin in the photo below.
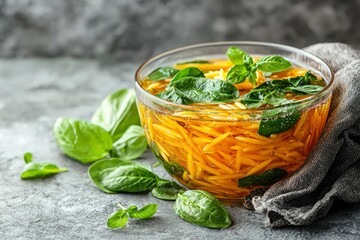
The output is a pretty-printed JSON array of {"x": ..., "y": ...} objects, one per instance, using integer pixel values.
[{"x": 332, "y": 170}]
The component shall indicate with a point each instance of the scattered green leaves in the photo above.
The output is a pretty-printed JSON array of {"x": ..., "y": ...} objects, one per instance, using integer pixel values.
[
  {"x": 120, "y": 218},
  {"x": 162, "y": 73},
  {"x": 35, "y": 170},
  {"x": 114, "y": 175},
  {"x": 201, "y": 208},
  {"x": 82, "y": 140},
  {"x": 167, "y": 190},
  {"x": 117, "y": 112},
  {"x": 199, "y": 90},
  {"x": 266, "y": 178},
  {"x": 131, "y": 144}
]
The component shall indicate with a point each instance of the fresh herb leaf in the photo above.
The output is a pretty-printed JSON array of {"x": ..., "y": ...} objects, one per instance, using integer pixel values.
[
  {"x": 201, "y": 208},
  {"x": 131, "y": 144},
  {"x": 199, "y": 90},
  {"x": 167, "y": 190},
  {"x": 34, "y": 170},
  {"x": 193, "y": 61},
  {"x": 273, "y": 63},
  {"x": 114, "y": 175},
  {"x": 266, "y": 178},
  {"x": 237, "y": 74},
  {"x": 145, "y": 212},
  {"x": 307, "y": 89},
  {"x": 117, "y": 112},
  {"x": 188, "y": 72},
  {"x": 118, "y": 219},
  {"x": 162, "y": 73},
  {"x": 28, "y": 157},
  {"x": 82, "y": 140},
  {"x": 236, "y": 55},
  {"x": 278, "y": 121}
]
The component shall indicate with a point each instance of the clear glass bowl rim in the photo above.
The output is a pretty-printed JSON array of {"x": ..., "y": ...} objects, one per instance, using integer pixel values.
[{"x": 196, "y": 108}]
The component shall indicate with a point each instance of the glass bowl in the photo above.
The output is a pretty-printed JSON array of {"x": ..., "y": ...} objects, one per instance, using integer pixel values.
[{"x": 211, "y": 149}]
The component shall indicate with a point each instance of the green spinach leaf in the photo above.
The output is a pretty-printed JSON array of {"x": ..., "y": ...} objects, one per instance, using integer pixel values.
[
  {"x": 162, "y": 73},
  {"x": 273, "y": 63},
  {"x": 188, "y": 72},
  {"x": 34, "y": 170},
  {"x": 118, "y": 219},
  {"x": 114, "y": 175},
  {"x": 199, "y": 90},
  {"x": 201, "y": 208},
  {"x": 307, "y": 89},
  {"x": 278, "y": 121},
  {"x": 167, "y": 190},
  {"x": 82, "y": 140},
  {"x": 131, "y": 145},
  {"x": 117, "y": 112},
  {"x": 266, "y": 178}
]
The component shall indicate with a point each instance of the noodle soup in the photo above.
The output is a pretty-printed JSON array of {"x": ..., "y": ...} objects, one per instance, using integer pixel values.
[{"x": 230, "y": 147}]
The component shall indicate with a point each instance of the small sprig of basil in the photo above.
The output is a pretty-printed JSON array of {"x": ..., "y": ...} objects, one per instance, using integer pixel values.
[
  {"x": 189, "y": 90},
  {"x": 162, "y": 73},
  {"x": 82, "y": 140},
  {"x": 34, "y": 170},
  {"x": 114, "y": 176},
  {"x": 120, "y": 218},
  {"x": 167, "y": 190},
  {"x": 245, "y": 67},
  {"x": 266, "y": 178},
  {"x": 202, "y": 208},
  {"x": 131, "y": 144},
  {"x": 117, "y": 112}
]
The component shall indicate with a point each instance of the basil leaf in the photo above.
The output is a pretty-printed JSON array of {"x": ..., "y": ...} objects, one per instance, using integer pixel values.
[
  {"x": 278, "y": 121},
  {"x": 143, "y": 213},
  {"x": 236, "y": 55},
  {"x": 266, "y": 178},
  {"x": 28, "y": 157},
  {"x": 199, "y": 90},
  {"x": 307, "y": 89},
  {"x": 201, "y": 208},
  {"x": 82, "y": 140},
  {"x": 188, "y": 72},
  {"x": 131, "y": 145},
  {"x": 117, "y": 112},
  {"x": 237, "y": 74},
  {"x": 273, "y": 64},
  {"x": 193, "y": 61},
  {"x": 118, "y": 219},
  {"x": 113, "y": 175},
  {"x": 167, "y": 190},
  {"x": 34, "y": 170},
  {"x": 162, "y": 73}
]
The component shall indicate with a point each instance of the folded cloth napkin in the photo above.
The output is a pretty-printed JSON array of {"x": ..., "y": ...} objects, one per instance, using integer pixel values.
[{"x": 332, "y": 170}]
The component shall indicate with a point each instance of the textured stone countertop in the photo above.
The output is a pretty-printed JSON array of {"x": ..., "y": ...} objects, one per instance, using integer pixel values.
[{"x": 33, "y": 93}]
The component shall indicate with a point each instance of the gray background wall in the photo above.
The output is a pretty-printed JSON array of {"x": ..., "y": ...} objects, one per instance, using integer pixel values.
[{"x": 137, "y": 29}]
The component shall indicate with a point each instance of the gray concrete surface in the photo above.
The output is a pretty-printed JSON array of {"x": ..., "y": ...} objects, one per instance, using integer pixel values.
[
  {"x": 33, "y": 93},
  {"x": 136, "y": 29}
]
